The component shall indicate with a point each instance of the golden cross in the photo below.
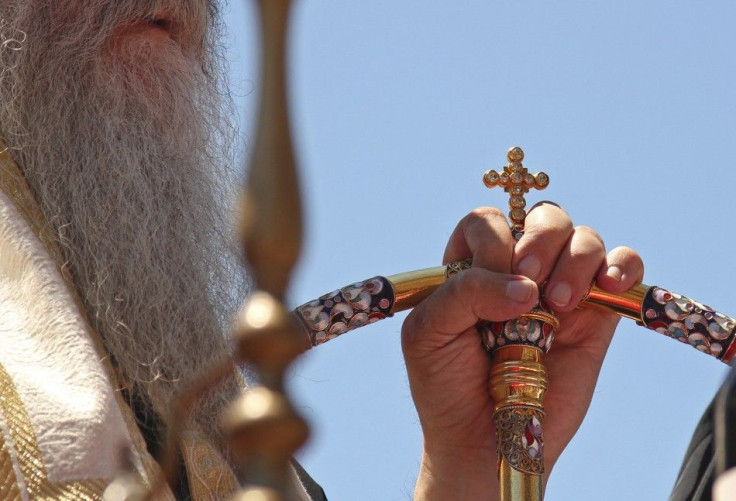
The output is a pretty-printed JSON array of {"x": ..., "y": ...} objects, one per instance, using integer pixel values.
[{"x": 516, "y": 181}]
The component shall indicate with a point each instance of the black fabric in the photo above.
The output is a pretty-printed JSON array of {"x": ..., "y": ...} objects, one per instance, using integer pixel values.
[
  {"x": 152, "y": 429},
  {"x": 697, "y": 473},
  {"x": 724, "y": 421}
]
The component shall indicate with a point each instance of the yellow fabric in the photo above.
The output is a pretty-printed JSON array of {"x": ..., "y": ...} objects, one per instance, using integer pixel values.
[
  {"x": 8, "y": 481},
  {"x": 25, "y": 446},
  {"x": 209, "y": 475}
]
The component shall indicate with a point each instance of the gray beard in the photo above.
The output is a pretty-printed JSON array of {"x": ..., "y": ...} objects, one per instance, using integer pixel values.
[{"x": 129, "y": 157}]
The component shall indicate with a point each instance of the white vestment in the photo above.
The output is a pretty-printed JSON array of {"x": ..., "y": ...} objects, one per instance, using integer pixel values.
[{"x": 63, "y": 420}]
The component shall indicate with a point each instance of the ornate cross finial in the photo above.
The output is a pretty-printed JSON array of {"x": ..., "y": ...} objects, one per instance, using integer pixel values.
[{"x": 516, "y": 181}]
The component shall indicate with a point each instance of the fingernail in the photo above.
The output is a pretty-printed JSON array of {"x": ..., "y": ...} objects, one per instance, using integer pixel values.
[
  {"x": 615, "y": 272},
  {"x": 520, "y": 290},
  {"x": 530, "y": 267},
  {"x": 560, "y": 294}
]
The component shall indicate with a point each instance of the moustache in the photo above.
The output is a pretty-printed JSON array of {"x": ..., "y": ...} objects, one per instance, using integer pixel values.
[{"x": 186, "y": 21}]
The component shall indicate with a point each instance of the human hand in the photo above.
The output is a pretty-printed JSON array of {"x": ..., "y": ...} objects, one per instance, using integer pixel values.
[{"x": 449, "y": 369}]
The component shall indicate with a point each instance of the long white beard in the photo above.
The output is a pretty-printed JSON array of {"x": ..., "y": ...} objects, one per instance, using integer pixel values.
[{"x": 126, "y": 149}]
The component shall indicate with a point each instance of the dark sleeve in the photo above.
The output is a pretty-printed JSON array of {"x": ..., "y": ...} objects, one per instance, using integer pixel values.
[
  {"x": 313, "y": 489},
  {"x": 697, "y": 473}
]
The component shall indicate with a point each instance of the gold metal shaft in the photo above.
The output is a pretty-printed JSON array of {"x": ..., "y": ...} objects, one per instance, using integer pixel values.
[
  {"x": 516, "y": 485},
  {"x": 627, "y": 304},
  {"x": 518, "y": 384},
  {"x": 412, "y": 287},
  {"x": 655, "y": 308}
]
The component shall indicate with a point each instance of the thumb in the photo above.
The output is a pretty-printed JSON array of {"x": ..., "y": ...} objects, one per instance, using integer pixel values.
[{"x": 470, "y": 296}]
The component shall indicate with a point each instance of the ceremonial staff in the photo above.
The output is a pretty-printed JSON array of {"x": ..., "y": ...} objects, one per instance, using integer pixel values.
[
  {"x": 518, "y": 377},
  {"x": 656, "y": 308}
]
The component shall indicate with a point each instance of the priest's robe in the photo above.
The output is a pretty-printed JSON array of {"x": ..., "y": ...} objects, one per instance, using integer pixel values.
[{"x": 63, "y": 420}]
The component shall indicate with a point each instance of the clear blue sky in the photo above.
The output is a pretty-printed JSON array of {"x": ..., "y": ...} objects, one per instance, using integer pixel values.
[{"x": 399, "y": 107}]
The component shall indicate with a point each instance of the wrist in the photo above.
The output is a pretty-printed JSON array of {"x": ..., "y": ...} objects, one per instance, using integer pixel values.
[{"x": 457, "y": 474}]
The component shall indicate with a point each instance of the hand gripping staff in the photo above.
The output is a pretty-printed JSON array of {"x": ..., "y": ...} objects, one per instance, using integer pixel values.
[{"x": 517, "y": 347}]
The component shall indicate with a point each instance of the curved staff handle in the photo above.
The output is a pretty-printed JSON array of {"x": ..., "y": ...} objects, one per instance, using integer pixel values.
[
  {"x": 516, "y": 347},
  {"x": 365, "y": 302}
]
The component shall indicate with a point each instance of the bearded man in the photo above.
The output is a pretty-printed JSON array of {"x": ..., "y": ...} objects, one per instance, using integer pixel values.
[
  {"x": 113, "y": 111},
  {"x": 117, "y": 276}
]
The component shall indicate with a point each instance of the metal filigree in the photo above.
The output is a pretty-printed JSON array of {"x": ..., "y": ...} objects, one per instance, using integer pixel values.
[
  {"x": 520, "y": 439},
  {"x": 456, "y": 267}
]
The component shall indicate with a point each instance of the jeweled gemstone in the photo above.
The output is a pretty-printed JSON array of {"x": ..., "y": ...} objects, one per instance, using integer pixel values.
[{"x": 518, "y": 214}]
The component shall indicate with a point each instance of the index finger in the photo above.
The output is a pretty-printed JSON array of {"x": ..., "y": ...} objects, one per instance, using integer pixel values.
[
  {"x": 547, "y": 229},
  {"x": 485, "y": 236}
]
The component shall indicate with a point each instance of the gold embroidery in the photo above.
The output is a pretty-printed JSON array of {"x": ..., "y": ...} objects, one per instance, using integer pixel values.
[
  {"x": 209, "y": 475},
  {"x": 89, "y": 490},
  {"x": 14, "y": 185},
  {"x": 8, "y": 483},
  {"x": 29, "y": 456}
]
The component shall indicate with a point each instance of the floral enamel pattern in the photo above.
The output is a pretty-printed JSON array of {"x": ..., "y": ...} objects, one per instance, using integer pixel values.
[
  {"x": 520, "y": 438},
  {"x": 690, "y": 322},
  {"x": 346, "y": 309},
  {"x": 523, "y": 330}
]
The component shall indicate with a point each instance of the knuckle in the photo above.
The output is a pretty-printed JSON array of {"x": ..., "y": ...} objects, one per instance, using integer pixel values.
[
  {"x": 413, "y": 325},
  {"x": 416, "y": 324},
  {"x": 487, "y": 234},
  {"x": 468, "y": 284},
  {"x": 587, "y": 230},
  {"x": 627, "y": 252},
  {"x": 541, "y": 224},
  {"x": 593, "y": 242},
  {"x": 540, "y": 235},
  {"x": 626, "y": 255},
  {"x": 483, "y": 215},
  {"x": 549, "y": 205}
]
